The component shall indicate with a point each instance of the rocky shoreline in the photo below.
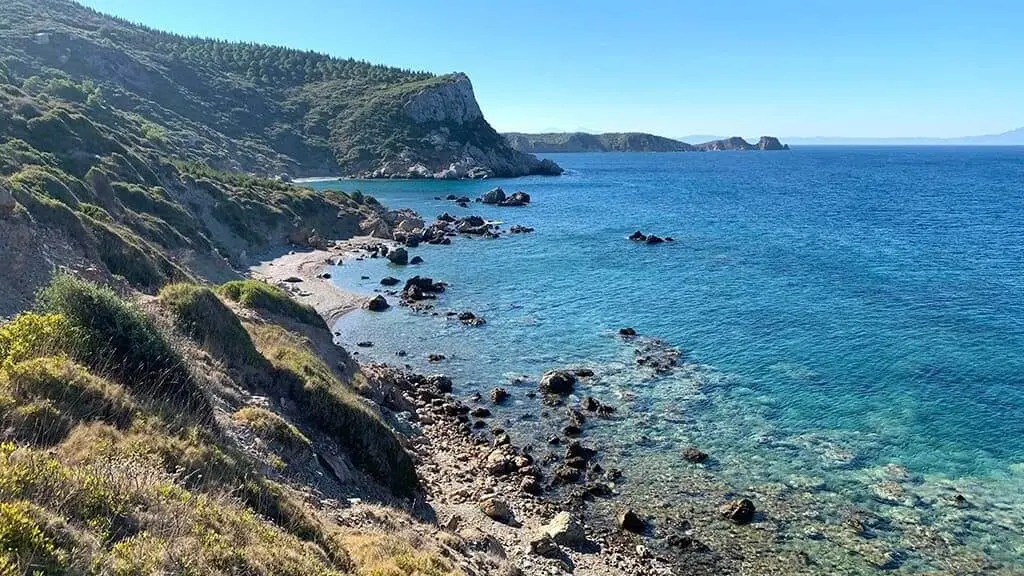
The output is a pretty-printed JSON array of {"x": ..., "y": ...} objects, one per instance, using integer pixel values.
[{"x": 550, "y": 500}]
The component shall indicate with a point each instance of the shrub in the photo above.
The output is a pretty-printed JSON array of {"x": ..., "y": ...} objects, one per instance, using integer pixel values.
[
  {"x": 26, "y": 548},
  {"x": 262, "y": 296},
  {"x": 272, "y": 428},
  {"x": 29, "y": 335},
  {"x": 200, "y": 314},
  {"x": 76, "y": 395},
  {"x": 336, "y": 410},
  {"x": 117, "y": 339}
]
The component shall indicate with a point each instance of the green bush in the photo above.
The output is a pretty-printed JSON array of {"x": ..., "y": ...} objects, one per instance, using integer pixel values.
[
  {"x": 272, "y": 428},
  {"x": 262, "y": 296},
  {"x": 25, "y": 544},
  {"x": 201, "y": 315},
  {"x": 328, "y": 404},
  {"x": 77, "y": 395},
  {"x": 117, "y": 339}
]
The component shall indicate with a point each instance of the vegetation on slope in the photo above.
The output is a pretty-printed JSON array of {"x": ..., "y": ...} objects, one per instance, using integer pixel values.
[
  {"x": 238, "y": 106},
  {"x": 97, "y": 477},
  {"x": 583, "y": 142}
]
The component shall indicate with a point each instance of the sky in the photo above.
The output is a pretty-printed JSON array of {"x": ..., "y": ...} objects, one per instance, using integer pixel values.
[{"x": 853, "y": 68}]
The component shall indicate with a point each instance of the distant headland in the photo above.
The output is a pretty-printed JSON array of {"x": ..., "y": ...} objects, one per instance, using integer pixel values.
[{"x": 628, "y": 142}]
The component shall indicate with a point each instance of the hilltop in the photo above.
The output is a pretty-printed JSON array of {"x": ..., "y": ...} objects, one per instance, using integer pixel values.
[
  {"x": 554, "y": 142},
  {"x": 255, "y": 108},
  {"x": 583, "y": 142}
]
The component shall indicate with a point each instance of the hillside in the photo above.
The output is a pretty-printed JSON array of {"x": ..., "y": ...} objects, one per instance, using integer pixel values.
[
  {"x": 583, "y": 142},
  {"x": 628, "y": 142},
  {"x": 254, "y": 108}
]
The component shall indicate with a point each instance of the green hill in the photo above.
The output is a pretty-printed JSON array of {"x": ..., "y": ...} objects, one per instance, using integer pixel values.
[
  {"x": 255, "y": 108},
  {"x": 583, "y": 142}
]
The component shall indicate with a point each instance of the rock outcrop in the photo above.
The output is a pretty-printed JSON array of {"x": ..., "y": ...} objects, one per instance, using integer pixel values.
[
  {"x": 445, "y": 136},
  {"x": 771, "y": 143}
]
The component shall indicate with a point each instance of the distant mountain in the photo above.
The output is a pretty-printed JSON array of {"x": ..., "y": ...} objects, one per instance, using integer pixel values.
[
  {"x": 1011, "y": 138},
  {"x": 583, "y": 142},
  {"x": 628, "y": 142}
]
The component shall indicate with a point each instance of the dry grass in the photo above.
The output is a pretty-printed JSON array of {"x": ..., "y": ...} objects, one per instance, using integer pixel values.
[
  {"x": 102, "y": 472},
  {"x": 390, "y": 555}
]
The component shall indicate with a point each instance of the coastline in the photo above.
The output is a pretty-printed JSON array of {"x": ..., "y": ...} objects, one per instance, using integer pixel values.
[
  {"x": 449, "y": 461},
  {"x": 326, "y": 298},
  {"x": 798, "y": 529}
]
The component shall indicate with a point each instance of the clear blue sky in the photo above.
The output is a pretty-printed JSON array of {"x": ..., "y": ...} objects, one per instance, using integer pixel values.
[{"x": 673, "y": 67}]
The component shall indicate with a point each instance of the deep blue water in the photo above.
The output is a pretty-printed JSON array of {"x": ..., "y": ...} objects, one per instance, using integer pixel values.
[{"x": 842, "y": 309}]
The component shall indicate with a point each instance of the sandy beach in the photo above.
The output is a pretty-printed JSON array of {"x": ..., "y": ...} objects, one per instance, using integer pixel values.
[{"x": 313, "y": 289}]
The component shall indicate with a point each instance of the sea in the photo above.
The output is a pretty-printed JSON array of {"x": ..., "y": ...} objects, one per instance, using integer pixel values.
[{"x": 851, "y": 324}]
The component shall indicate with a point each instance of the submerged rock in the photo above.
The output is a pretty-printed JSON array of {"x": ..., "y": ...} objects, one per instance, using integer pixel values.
[
  {"x": 627, "y": 332},
  {"x": 692, "y": 454},
  {"x": 739, "y": 511},
  {"x": 389, "y": 281},
  {"x": 499, "y": 395}
]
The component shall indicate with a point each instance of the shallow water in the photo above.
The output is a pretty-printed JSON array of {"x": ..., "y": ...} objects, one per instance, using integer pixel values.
[{"x": 839, "y": 310}]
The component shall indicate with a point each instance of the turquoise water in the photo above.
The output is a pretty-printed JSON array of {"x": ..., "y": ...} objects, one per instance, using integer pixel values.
[{"x": 839, "y": 310}]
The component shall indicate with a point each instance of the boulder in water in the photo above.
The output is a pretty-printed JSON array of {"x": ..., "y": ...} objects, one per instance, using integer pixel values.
[
  {"x": 377, "y": 304},
  {"x": 558, "y": 382},
  {"x": 638, "y": 236},
  {"x": 517, "y": 199},
  {"x": 494, "y": 196},
  {"x": 399, "y": 256}
]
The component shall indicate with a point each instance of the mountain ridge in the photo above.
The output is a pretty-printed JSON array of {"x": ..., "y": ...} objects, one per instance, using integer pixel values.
[
  {"x": 554, "y": 142},
  {"x": 264, "y": 109}
]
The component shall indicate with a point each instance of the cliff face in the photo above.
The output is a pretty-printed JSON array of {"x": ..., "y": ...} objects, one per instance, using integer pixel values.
[
  {"x": 451, "y": 101},
  {"x": 771, "y": 143},
  {"x": 438, "y": 131}
]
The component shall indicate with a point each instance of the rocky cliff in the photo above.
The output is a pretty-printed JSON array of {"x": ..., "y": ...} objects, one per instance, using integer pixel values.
[
  {"x": 771, "y": 143},
  {"x": 439, "y": 132}
]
